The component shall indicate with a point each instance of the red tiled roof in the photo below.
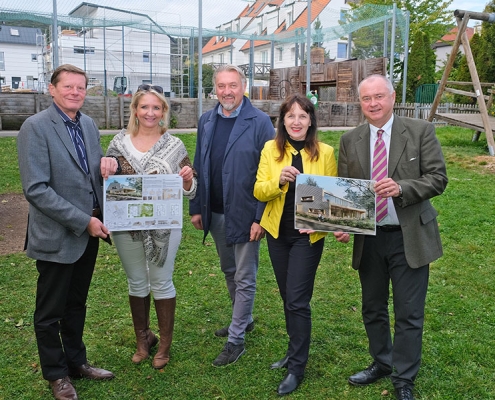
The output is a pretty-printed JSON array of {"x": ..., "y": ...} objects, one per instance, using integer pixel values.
[
  {"x": 256, "y": 9},
  {"x": 450, "y": 37},
  {"x": 317, "y": 6},
  {"x": 213, "y": 45},
  {"x": 262, "y": 42}
]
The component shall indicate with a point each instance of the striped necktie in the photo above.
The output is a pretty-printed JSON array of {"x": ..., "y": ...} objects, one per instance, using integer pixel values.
[
  {"x": 379, "y": 172},
  {"x": 76, "y": 136}
]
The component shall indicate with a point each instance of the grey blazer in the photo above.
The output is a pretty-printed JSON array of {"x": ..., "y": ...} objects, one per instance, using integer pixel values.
[
  {"x": 416, "y": 163},
  {"x": 59, "y": 192}
]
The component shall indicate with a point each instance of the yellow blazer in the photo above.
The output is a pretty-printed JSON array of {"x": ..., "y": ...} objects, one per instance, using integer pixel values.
[{"x": 267, "y": 189}]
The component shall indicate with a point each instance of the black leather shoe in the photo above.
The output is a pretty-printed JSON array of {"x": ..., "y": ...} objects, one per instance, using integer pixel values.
[
  {"x": 289, "y": 384},
  {"x": 62, "y": 389},
  {"x": 404, "y": 393},
  {"x": 280, "y": 363},
  {"x": 89, "y": 372},
  {"x": 369, "y": 375}
]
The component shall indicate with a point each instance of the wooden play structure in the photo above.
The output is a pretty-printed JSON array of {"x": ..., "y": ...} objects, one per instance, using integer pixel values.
[
  {"x": 333, "y": 81},
  {"x": 481, "y": 122}
]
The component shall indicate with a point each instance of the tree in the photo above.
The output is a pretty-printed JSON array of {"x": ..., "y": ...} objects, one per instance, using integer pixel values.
[
  {"x": 310, "y": 181},
  {"x": 318, "y": 35},
  {"x": 359, "y": 192},
  {"x": 421, "y": 66},
  {"x": 426, "y": 16},
  {"x": 207, "y": 79},
  {"x": 417, "y": 61},
  {"x": 485, "y": 61}
]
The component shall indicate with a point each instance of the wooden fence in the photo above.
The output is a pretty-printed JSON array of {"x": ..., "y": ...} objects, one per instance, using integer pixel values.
[
  {"x": 422, "y": 111},
  {"x": 113, "y": 112}
]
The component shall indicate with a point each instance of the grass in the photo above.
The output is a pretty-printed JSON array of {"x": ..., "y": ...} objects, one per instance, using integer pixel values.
[{"x": 458, "y": 351}]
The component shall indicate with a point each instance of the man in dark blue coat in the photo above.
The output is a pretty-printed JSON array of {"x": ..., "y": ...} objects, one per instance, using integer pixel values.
[{"x": 228, "y": 148}]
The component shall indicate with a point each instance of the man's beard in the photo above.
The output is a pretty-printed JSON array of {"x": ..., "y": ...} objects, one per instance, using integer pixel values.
[{"x": 228, "y": 106}]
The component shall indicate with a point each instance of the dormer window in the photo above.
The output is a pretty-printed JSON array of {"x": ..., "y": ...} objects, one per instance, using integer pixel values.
[{"x": 289, "y": 18}]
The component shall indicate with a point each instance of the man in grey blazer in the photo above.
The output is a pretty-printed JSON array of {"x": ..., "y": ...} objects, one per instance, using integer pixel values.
[
  {"x": 407, "y": 239},
  {"x": 62, "y": 169}
]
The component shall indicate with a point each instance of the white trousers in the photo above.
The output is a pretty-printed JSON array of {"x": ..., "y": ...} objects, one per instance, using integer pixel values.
[{"x": 142, "y": 276}]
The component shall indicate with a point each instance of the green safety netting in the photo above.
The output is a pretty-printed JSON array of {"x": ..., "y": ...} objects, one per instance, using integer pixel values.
[{"x": 334, "y": 24}]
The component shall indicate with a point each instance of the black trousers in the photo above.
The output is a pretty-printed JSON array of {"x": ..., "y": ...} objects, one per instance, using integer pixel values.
[
  {"x": 295, "y": 261},
  {"x": 61, "y": 295},
  {"x": 384, "y": 261}
]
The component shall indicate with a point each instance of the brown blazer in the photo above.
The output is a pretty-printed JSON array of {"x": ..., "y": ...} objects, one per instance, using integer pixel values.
[{"x": 416, "y": 163}]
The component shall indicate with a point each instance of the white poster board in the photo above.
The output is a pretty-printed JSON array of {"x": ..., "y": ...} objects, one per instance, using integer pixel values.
[{"x": 143, "y": 202}]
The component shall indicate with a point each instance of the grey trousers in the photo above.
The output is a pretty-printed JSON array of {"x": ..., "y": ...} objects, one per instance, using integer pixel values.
[{"x": 239, "y": 263}]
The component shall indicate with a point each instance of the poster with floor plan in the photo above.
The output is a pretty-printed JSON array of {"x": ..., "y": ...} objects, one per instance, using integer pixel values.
[{"x": 142, "y": 202}]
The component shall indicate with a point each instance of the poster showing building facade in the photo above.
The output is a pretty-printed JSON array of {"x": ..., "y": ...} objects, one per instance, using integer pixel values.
[
  {"x": 332, "y": 204},
  {"x": 143, "y": 202}
]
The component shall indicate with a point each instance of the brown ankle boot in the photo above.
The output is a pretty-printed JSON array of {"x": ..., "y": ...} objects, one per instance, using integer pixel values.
[
  {"x": 165, "y": 311},
  {"x": 145, "y": 339}
]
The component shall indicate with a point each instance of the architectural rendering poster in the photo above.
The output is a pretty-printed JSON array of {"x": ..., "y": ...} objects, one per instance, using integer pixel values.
[
  {"x": 143, "y": 202},
  {"x": 331, "y": 204}
]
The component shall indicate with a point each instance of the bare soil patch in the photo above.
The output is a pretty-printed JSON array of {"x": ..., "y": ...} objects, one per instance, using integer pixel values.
[
  {"x": 13, "y": 223},
  {"x": 487, "y": 163}
]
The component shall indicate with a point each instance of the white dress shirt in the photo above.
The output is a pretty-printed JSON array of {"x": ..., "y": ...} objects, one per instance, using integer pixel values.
[{"x": 391, "y": 218}]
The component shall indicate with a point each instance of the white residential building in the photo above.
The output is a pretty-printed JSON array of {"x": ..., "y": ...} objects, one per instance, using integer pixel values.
[
  {"x": 274, "y": 17},
  {"x": 19, "y": 57},
  {"x": 136, "y": 52},
  {"x": 443, "y": 47}
]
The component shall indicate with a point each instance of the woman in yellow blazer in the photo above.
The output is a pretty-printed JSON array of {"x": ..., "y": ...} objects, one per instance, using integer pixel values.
[{"x": 294, "y": 256}]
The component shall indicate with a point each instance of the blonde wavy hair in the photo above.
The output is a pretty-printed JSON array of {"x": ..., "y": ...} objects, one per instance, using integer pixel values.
[{"x": 132, "y": 126}]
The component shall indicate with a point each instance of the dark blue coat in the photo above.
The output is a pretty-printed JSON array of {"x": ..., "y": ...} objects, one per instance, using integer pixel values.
[{"x": 242, "y": 155}]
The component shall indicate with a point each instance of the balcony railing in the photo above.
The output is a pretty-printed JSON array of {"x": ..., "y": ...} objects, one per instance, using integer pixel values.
[{"x": 260, "y": 69}]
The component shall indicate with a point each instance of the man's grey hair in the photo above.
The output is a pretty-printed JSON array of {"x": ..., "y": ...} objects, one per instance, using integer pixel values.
[
  {"x": 229, "y": 68},
  {"x": 388, "y": 84}
]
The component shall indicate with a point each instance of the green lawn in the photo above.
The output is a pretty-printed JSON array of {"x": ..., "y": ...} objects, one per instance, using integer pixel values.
[{"x": 458, "y": 352}]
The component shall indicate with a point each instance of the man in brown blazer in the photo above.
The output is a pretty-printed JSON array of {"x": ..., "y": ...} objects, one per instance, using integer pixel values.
[{"x": 407, "y": 239}]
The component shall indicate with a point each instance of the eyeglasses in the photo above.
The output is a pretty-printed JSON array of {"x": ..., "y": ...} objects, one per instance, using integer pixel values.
[{"x": 145, "y": 87}]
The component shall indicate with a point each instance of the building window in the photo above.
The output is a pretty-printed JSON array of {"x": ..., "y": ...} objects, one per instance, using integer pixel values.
[
  {"x": 83, "y": 50},
  {"x": 146, "y": 56},
  {"x": 34, "y": 57},
  {"x": 222, "y": 56},
  {"x": 280, "y": 53},
  {"x": 264, "y": 57},
  {"x": 2, "y": 61},
  {"x": 343, "y": 14},
  {"x": 342, "y": 50},
  {"x": 289, "y": 18}
]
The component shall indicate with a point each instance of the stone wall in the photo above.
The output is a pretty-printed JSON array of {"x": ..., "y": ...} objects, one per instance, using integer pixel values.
[{"x": 113, "y": 112}]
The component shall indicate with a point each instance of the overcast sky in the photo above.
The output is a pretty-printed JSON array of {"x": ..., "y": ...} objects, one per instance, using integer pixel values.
[
  {"x": 469, "y": 5},
  {"x": 181, "y": 12},
  {"x": 216, "y": 12}
]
